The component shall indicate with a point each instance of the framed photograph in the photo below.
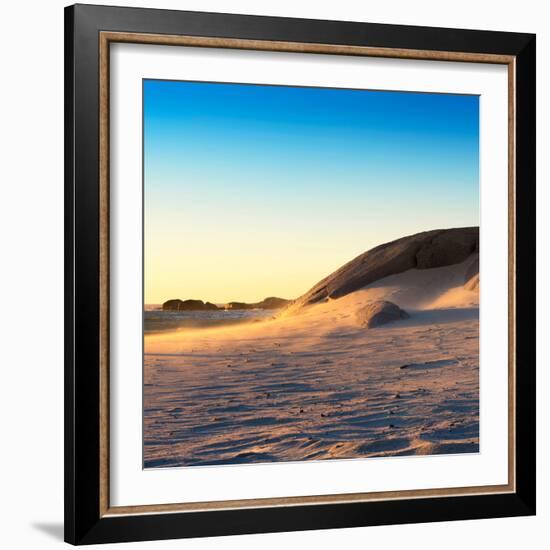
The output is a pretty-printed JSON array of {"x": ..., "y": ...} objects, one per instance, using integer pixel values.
[{"x": 300, "y": 274}]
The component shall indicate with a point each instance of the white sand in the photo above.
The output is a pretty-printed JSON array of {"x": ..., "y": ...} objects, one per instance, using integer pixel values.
[{"x": 316, "y": 385}]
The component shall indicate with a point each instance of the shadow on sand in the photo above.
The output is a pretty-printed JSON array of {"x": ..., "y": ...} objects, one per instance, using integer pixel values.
[{"x": 438, "y": 316}]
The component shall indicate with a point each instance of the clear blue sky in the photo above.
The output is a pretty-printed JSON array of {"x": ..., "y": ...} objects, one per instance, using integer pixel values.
[{"x": 253, "y": 191}]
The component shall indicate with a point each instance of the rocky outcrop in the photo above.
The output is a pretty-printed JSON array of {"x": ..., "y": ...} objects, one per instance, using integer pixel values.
[
  {"x": 199, "y": 305},
  {"x": 379, "y": 313},
  {"x": 437, "y": 248},
  {"x": 471, "y": 277},
  {"x": 188, "y": 305},
  {"x": 449, "y": 247},
  {"x": 268, "y": 303},
  {"x": 273, "y": 303},
  {"x": 473, "y": 283},
  {"x": 238, "y": 305}
]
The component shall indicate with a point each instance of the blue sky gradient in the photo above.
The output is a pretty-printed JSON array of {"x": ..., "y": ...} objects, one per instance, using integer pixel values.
[{"x": 314, "y": 175}]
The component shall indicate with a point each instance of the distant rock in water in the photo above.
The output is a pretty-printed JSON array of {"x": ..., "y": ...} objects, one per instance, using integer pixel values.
[
  {"x": 199, "y": 305},
  {"x": 273, "y": 303},
  {"x": 379, "y": 313},
  {"x": 429, "y": 249},
  {"x": 188, "y": 305},
  {"x": 268, "y": 303},
  {"x": 237, "y": 305}
]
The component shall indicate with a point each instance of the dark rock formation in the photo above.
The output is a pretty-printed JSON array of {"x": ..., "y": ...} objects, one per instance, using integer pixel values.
[
  {"x": 471, "y": 277},
  {"x": 473, "y": 283},
  {"x": 272, "y": 303},
  {"x": 268, "y": 303},
  {"x": 447, "y": 248},
  {"x": 379, "y": 313},
  {"x": 188, "y": 305},
  {"x": 199, "y": 305},
  {"x": 238, "y": 305},
  {"x": 437, "y": 248}
]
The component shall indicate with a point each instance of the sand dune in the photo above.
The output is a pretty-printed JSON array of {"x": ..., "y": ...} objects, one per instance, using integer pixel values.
[
  {"x": 426, "y": 250},
  {"x": 312, "y": 383}
]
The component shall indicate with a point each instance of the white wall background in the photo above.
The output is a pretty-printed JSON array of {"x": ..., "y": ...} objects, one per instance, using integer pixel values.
[{"x": 31, "y": 274}]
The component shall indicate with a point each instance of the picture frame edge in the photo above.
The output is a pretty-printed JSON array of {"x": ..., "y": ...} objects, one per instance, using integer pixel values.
[{"x": 86, "y": 510}]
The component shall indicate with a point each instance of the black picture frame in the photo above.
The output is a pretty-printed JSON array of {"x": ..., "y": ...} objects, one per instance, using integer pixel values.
[{"x": 84, "y": 524}]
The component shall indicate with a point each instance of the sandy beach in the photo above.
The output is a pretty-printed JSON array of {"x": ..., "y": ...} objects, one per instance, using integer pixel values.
[{"x": 315, "y": 384}]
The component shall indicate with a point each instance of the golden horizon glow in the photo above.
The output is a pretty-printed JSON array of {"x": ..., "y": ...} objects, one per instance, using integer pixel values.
[{"x": 257, "y": 191}]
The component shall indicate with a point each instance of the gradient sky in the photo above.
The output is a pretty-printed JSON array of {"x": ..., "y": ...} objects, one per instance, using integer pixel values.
[{"x": 255, "y": 191}]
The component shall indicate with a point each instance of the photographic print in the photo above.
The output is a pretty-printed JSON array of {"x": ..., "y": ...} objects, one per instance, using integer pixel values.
[{"x": 311, "y": 273}]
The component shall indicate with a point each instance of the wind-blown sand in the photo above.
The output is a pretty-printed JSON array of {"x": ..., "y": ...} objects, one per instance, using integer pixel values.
[{"x": 316, "y": 385}]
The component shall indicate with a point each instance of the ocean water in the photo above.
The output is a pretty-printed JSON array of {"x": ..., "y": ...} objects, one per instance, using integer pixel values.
[{"x": 155, "y": 320}]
